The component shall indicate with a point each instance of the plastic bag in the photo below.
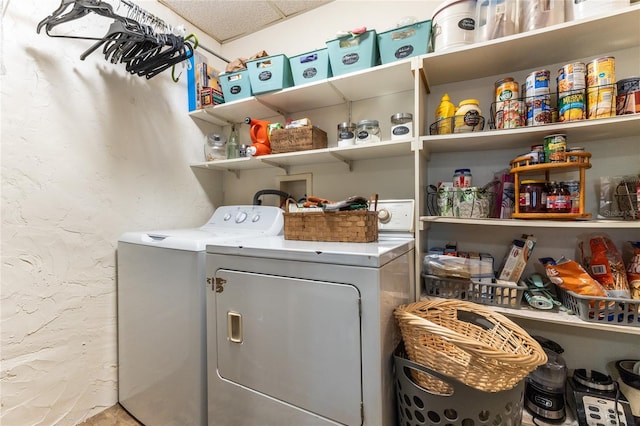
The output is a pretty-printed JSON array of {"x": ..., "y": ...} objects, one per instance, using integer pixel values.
[
  {"x": 604, "y": 263},
  {"x": 633, "y": 270},
  {"x": 571, "y": 276}
]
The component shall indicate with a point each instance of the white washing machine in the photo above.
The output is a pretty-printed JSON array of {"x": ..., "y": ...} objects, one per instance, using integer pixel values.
[
  {"x": 302, "y": 333},
  {"x": 161, "y": 314}
]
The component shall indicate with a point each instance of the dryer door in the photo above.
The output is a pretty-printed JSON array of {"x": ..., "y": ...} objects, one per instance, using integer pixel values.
[{"x": 292, "y": 339}]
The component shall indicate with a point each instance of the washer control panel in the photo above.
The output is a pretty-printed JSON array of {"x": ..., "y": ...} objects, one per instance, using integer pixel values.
[{"x": 395, "y": 215}]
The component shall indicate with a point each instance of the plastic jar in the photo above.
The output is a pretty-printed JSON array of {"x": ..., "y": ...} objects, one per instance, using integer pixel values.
[
  {"x": 346, "y": 134},
  {"x": 368, "y": 131},
  {"x": 401, "y": 125},
  {"x": 462, "y": 178},
  {"x": 533, "y": 196},
  {"x": 467, "y": 117},
  {"x": 558, "y": 199}
]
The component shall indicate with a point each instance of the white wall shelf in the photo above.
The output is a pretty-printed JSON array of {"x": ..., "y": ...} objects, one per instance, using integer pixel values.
[
  {"x": 378, "y": 81},
  {"x": 554, "y": 44},
  {"x": 383, "y": 149},
  {"x": 575, "y": 224},
  {"x": 577, "y": 131}
]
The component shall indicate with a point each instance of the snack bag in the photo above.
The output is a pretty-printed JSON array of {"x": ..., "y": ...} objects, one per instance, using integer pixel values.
[
  {"x": 604, "y": 263},
  {"x": 570, "y": 275},
  {"x": 633, "y": 270}
]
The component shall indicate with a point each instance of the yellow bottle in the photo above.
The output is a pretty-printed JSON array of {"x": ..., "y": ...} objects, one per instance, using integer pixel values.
[{"x": 444, "y": 112}]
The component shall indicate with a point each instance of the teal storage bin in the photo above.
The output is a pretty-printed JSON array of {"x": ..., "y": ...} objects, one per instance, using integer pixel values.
[
  {"x": 404, "y": 42},
  {"x": 353, "y": 53},
  {"x": 235, "y": 85},
  {"x": 311, "y": 66},
  {"x": 269, "y": 73}
]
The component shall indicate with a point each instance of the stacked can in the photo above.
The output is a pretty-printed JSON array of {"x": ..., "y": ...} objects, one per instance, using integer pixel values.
[
  {"x": 538, "y": 98},
  {"x": 601, "y": 88},
  {"x": 571, "y": 82},
  {"x": 509, "y": 109}
]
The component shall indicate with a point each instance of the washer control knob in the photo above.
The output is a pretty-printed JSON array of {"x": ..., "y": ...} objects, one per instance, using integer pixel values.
[
  {"x": 384, "y": 215},
  {"x": 227, "y": 217},
  {"x": 255, "y": 218},
  {"x": 241, "y": 217}
]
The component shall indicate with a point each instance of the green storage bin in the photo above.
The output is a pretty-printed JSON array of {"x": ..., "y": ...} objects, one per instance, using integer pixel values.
[
  {"x": 269, "y": 73},
  {"x": 404, "y": 42},
  {"x": 235, "y": 85},
  {"x": 311, "y": 66},
  {"x": 353, "y": 53}
]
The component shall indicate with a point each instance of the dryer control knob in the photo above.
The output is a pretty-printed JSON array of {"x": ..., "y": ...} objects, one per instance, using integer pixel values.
[
  {"x": 384, "y": 215},
  {"x": 227, "y": 217},
  {"x": 241, "y": 217},
  {"x": 255, "y": 218}
]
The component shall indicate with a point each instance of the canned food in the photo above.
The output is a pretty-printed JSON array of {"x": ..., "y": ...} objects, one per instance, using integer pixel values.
[
  {"x": 537, "y": 83},
  {"x": 601, "y": 78},
  {"x": 571, "y": 106},
  {"x": 628, "y": 99},
  {"x": 571, "y": 77},
  {"x": 538, "y": 110},
  {"x": 533, "y": 196},
  {"x": 555, "y": 147},
  {"x": 574, "y": 158},
  {"x": 537, "y": 154},
  {"x": 509, "y": 110},
  {"x": 601, "y": 102},
  {"x": 601, "y": 72}
]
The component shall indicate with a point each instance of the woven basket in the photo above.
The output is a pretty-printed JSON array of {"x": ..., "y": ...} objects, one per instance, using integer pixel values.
[
  {"x": 359, "y": 226},
  {"x": 469, "y": 342}
]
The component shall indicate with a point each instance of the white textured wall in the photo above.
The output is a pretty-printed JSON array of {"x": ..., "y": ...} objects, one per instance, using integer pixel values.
[{"x": 88, "y": 152}]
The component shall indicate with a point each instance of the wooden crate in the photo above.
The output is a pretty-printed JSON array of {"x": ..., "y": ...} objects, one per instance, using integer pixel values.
[
  {"x": 357, "y": 226},
  {"x": 297, "y": 139}
]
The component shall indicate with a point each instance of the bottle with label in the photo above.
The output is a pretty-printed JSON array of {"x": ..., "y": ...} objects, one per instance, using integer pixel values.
[
  {"x": 558, "y": 199},
  {"x": 444, "y": 112},
  {"x": 233, "y": 144},
  {"x": 468, "y": 116}
]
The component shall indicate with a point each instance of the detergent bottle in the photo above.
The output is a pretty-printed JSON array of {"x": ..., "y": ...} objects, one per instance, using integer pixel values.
[
  {"x": 259, "y": 130},
  {"x": 444, "y": 112}
]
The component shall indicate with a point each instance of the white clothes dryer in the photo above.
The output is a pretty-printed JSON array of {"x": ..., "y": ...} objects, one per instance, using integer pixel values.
[
  {"x": 302, "y": 333},
  {"x": 161, "y": 313}
]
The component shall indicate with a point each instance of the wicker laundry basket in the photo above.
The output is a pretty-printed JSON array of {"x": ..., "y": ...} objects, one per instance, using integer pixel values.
[{"x": 469, "y": 342}]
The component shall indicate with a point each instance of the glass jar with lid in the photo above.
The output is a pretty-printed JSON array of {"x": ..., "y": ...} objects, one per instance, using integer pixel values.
[
  {"x": 558, "y": 198},
  {"x": 368, "y": 131},
  {"x": 533, "y": 196},
  {"x": 214, "y": 147},
  {"x": 401, "y": 125},
  {"x": 346, "y": 133}
]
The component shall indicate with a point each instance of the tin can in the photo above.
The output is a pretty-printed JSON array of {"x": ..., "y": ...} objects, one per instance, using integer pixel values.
[
  {"x": 571, "y": 77},
  {"x": 571, "y": 106},
  {"x": 537, "y": 83},
  {"x": 508, "y": 108},
  {"x": 573, "y": 186},
  {"x": 628, "y": 99},
  {"x": 462, "y": 178},
  {"x": 601, "y": 72},
  {"x": 538, "y": 110},
  {"x": 555, "y": 147},
  {"x": 537, "y": 154},
  {"x": 574, "y": 158},
  {"x": 601, "y": 78},
  {"x": 601, "y": 101}
]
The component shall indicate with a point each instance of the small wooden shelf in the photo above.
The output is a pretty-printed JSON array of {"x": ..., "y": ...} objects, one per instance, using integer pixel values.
[{"x": 573, "y": 161}]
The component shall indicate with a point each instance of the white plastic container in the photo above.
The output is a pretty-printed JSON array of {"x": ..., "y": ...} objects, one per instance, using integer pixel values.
[
  {"x": 578, "y": 9},
  {"x": 495, "y": 19},
  {"x": 453, "y": 25},
  {"x": 536, "y": 14}
]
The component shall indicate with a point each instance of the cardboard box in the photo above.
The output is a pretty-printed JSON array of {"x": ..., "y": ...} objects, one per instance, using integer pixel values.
[
  {"x": 297, "y": 139},
  {"x": 203, "y": 83},
  {"x": 516, "y": 260}
]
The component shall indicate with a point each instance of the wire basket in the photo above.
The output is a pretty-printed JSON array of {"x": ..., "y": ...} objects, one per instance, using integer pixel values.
[
  {"x": 470, "y": 202},
  {"x": 460, "y": 406},
  {"x": 604, "y": 310},
  {"x": 468, "y": 342},
  {"x": 457, "y": 124},
  {"x": 493, "y": 294}
]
